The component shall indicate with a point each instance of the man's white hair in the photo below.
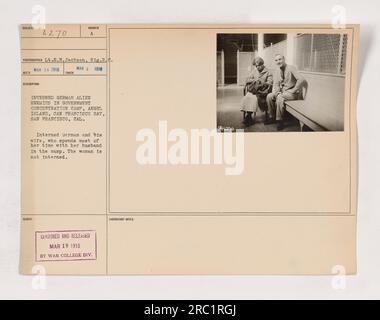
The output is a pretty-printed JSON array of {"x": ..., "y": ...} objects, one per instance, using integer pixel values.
[{"x": 279, "y": 54}]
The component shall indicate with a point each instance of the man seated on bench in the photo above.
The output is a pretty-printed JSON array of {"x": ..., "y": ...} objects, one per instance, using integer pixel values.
[{"x": 286, "y": 86}]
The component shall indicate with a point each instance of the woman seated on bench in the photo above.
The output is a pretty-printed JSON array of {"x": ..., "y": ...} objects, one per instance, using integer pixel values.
[{"x": 258, "y": 85}]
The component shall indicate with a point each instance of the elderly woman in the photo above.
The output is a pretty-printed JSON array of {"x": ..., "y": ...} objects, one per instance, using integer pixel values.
[{"x": 258, "y": 85}]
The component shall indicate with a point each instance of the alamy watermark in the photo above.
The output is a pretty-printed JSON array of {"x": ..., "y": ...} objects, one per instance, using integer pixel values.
[
  {"x": 191, "y": 147},
  {"x": 39, "y": 17},
  {"x": 39, "y": 277},
  {"x": 339, "y": 17},
  {"x": 338, "y": 281}
]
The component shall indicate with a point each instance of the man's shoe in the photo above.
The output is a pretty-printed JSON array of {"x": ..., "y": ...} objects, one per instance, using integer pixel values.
[
  {"x": 280, "y": 126},
  {"x": 269, "y": 121}
]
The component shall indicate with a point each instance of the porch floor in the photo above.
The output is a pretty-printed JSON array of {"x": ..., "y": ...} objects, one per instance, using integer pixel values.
[{"x": 229, "y": 114}]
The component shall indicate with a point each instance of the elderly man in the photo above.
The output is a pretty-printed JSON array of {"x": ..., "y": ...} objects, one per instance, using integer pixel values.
[
  {"x": 258, "y": 85},
  {"x": 287, "y": 84}
]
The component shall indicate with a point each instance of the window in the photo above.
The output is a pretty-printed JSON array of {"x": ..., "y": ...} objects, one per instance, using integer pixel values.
[{"x": 325, "y": 53}]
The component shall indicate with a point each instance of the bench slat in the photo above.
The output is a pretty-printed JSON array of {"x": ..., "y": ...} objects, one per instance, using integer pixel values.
[
  {"x": 325, "y": 119},
  {"x": 323, "y": 107},
  {"x": 302, "y": 118}
]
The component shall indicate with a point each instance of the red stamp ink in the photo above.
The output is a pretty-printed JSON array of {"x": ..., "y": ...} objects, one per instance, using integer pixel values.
[{"x": 66, "y": 245}]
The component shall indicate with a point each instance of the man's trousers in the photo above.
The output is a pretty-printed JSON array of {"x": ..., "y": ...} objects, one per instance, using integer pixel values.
[{"x": 276, "y": 104}]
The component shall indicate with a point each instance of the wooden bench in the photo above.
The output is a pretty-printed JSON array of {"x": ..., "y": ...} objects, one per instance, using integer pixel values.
[{"x": 322, "y": 106}]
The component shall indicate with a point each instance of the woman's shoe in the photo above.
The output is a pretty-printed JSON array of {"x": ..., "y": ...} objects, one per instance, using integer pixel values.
[
  {"x": 244, "y": 116},
  {"x": 249, "y": 121}
]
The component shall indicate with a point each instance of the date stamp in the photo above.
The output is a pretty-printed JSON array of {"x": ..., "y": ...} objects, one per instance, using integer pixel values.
[{"x": 65, "y": 245}]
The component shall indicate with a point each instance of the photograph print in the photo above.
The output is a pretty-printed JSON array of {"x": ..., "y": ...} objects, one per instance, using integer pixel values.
[{"x": 270, "y": 82}]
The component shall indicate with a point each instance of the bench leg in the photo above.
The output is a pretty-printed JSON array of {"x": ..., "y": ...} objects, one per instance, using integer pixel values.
[{"x": 301, "y": 126}]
